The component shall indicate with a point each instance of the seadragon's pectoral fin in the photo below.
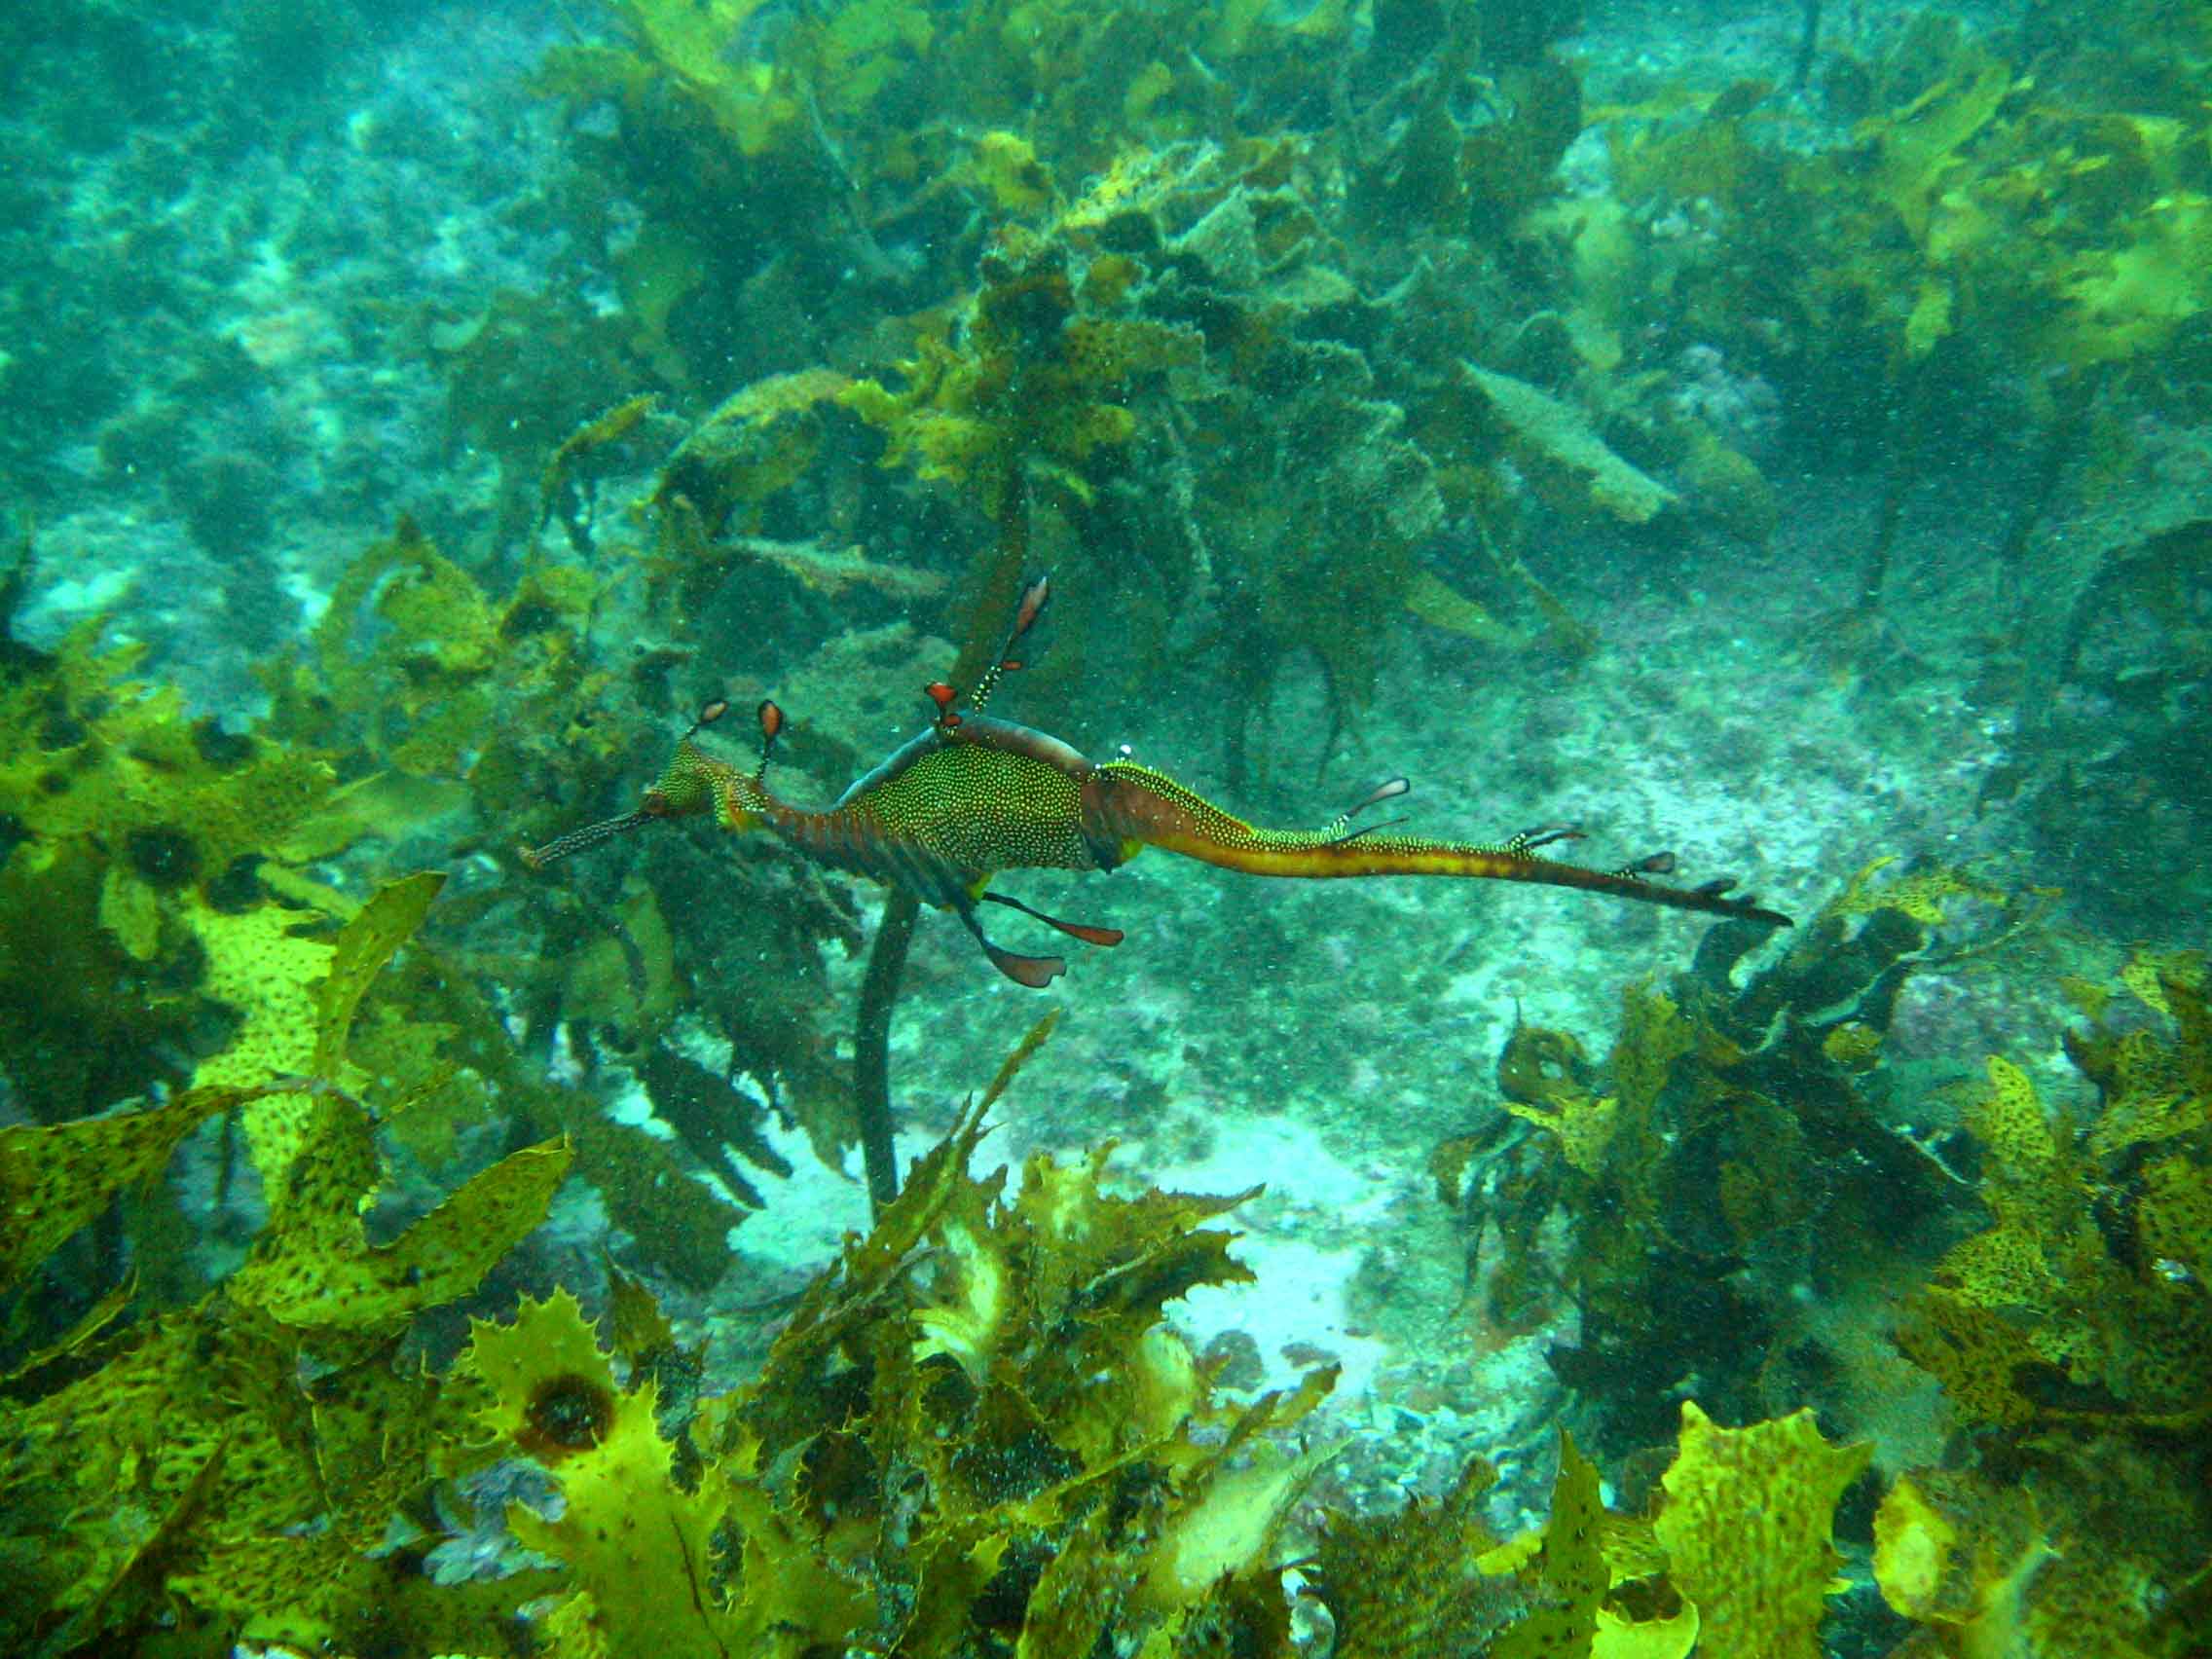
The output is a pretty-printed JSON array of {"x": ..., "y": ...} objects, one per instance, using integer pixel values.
[
  {"x": 1034, "y": 971},
  {"x": 1084, "y": 931}
]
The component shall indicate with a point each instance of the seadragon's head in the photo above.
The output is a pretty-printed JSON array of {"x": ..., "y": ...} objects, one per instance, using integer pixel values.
[{"x": 694, "y": 780}]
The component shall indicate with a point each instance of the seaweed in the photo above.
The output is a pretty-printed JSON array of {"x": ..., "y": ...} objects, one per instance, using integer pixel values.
[
  {"x": 1070, "y": 1487},
  {"x": 1983, "y": 220},
  {"x": 1746, "y": 1530},
  {"x": 1736, "y": 1133},
  {"x": 188, "y": 1455},
  {"x": 143, "y": 847},
  {"x": 2044, "y": 1270},
  {"x": 2079, "y": 1303},
  {"x": 976, "y": 1428},
  {"x": 1736, "y": 1558}
]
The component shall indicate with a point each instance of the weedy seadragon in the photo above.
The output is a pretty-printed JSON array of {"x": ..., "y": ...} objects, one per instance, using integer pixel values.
[{"x": 972, "y": 796}]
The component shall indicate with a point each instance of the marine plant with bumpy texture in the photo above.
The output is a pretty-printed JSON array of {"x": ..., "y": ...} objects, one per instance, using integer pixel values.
[
  {"x": 1727, "y": 1150},
  {"x": 240, "y": 1455},
  {"x": 151, "y": 864}
]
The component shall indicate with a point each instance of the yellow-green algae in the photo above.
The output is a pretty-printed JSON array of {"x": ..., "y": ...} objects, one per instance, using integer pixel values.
[
  {"x": 2067, "y": 1326},
  {"x": 1978, "y": 209},
  {"x": 241, "y": 1451},
  {"x": 975, "y": 1434},
  {"x": 992, "y": 1367}
]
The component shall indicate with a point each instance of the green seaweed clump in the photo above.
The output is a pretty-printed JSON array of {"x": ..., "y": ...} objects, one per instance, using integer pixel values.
[
  {"x": 492, "y": 719},
  {"x": 2012, "y": 1308},
  {"x": 140, "y": 862},
  {"x": 1038, "y": 377},
  {"x": 1735, "y": 1145},
  {"x": 1736, "y": 1561},
  {"x": 416, "y": 674},
  {"x": 974, "y": 1433},
  {"x": 1999, "y": 210},
  {"x": 232, "y": 1467},
  {"x": 2082, "y": 1301},
  {"x": 2075, "y": 1324}
]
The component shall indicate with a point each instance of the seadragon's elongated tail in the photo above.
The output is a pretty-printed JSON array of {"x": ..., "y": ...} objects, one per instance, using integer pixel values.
[{"x": 1142, "y": 807}]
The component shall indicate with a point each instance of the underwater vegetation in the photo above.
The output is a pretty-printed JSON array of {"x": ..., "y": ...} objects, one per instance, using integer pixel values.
[
  {"x": 1255, "y": 439},
  {"x": 1741, "y": 1160},
  {"x": 1168, "y": 343},
  {"x": 341, "y": 1307},
  {"x": 974, "y": 1434},
  {"x": 171, "y": 886}
]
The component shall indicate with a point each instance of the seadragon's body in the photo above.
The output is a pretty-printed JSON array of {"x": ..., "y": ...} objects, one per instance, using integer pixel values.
[{"x": 972, "y": 796}]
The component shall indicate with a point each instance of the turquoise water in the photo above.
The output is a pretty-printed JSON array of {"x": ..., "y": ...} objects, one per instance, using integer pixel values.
[{"x": 1768, "y": 441}]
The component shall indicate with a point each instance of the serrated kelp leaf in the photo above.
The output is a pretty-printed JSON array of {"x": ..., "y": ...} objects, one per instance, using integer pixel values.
[
  {"x": 133, "y": 1440},
  {"x": 1128, "y": 1255},
  {"x": 661, "y": 269},
  {"x": 1964, "y": 1557},
  {"x": 691, "y": 38},
  {"x": 937, "y": 1176},
  {"x": 317, "y": 1274},
  {"x": 365, "y": 943},
  {"x": 261, "y": 964},
  {"x": 2153, "y": 1091},
  {"x": 680, "y": 1225},
  {"x": 2003, "y": 1267},
  {"x": 711, "y": 1116},
  {"x": 446, "y": 1254},
  {"x": 139, "y": 1540},
  {"x": 95, "y": 1319},
  {"x": 55, "y": 1178},
  {"x": 1980, "y": 1356},
  {"x": 2146, "y": 973},
  {"x": 636, "y": 1541},
  {"x": 1075, "y": 1594},
  {"x": 1583, "y": 1123},
  {"x": 1918, "y": 143},
  {"x": 1574, "y": 1574},
  {"x": 2175, "y": 1215},
  {"x": 545, "y": 1342},
  {"x": 1747, "y": 1529},
  {"x": 2008, "y": 1119},
  {"x": 1441, "y": 605},
  {"x": 975, "y": 1283},
  {"x": 2129, "y": 300},
  {"x": 610, "y": 426},
  {"x": 1923, "y": 893},
  {"x": 316, "y": 1205}
]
